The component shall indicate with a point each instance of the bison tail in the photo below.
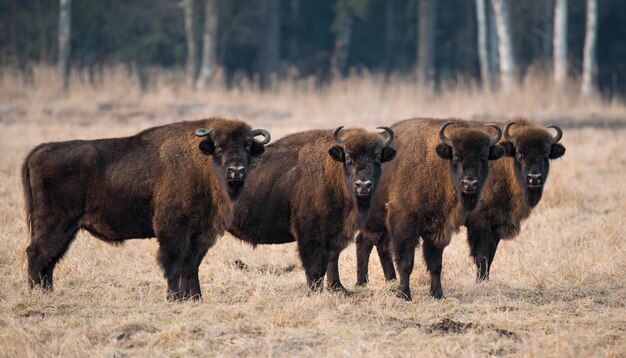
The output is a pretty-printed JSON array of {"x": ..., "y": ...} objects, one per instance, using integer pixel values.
[{"x": 28, "y": 193}]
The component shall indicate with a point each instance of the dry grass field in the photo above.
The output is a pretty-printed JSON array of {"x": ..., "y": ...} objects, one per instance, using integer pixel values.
[{"x": 559, "y": 289}]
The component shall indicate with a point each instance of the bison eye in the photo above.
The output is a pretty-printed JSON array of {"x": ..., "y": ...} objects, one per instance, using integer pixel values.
[
  {"x": 455, "y": 158},
  {"x": 377, "y": 159},
  {"x": 248, "y": 147},
  {"x": 348, "y": 159},
  {"x": 519, "y": 156},
  {"x": 219, "y": 149}
]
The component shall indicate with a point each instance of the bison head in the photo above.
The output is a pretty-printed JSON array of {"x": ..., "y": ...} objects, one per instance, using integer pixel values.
[
  {"x": 362, "y": 153},
  {"x": 469, "y": 151},
  {"x": 232, "y": 149},
  {"x": 531, "y": 148}
]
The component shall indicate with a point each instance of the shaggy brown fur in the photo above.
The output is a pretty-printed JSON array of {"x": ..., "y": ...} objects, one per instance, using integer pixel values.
[
  {"x": 421, "y": 194},
  {"x": 164, "y": 182},
  {"x": 508, "y": 198},
  {"x": 304, "y": 191}
]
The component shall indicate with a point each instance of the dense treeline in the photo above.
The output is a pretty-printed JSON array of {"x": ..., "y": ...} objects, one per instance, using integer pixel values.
[{"x": 321, "y": 38}]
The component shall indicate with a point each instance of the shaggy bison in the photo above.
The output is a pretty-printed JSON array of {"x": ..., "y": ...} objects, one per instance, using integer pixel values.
[
  {"x": 175, "y": 182},
  {"x": 427, "y": 192},
  {"x": 513, "y": 190},
  {"x": 315, "y": 188}
]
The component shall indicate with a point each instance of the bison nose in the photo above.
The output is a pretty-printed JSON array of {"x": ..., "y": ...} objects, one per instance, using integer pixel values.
[
  {"x": 236, "y": 172},
  {"x": 469, "y": 185},
  {"x": 534, "y": 179},
  {"x": 363, "y": 187}
]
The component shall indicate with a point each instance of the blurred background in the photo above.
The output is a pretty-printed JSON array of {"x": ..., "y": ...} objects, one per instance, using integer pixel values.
[{"x": 550, "y": 53}]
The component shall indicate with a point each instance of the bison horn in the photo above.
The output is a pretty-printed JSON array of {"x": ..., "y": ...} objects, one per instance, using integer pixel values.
[
  {"x": 390, "y": 135},
  {"x": 336, "y": 135},
  {"x": 559, "y": 133},
  {"x": 507, "y": 135},
  {"x": 442, "y": 133},
  {"x": 495, "y": 140},
  {"x": 266, "y": 136},
  {"x": 201, "y": 132}
]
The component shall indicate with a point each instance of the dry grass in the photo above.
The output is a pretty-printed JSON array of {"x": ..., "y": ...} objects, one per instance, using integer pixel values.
[{"x": 558, "y": 290}]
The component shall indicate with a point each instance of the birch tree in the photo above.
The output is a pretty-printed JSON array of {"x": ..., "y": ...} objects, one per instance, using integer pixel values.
[
  {"x": 208, "y": 65},
  {"x": 560, "y": 42},
  {"x": 589, "y": 56},
  {"x": 65, "y": 32},
  {"x": 505, "y": 50},
  {"x": 482, "y": 42},
  {"x": 427, "y": 15},
  {"x": 270, "y": 47},
  {"x": 187, "y": 6},
  {"x": 339, "y": 58}
]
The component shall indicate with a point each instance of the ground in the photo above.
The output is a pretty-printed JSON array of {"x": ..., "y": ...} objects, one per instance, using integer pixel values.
[{"x": 558, "y": 289}]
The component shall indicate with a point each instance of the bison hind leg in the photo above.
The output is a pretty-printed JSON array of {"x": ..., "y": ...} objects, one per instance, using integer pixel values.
[
  {"x": 314, "y": 258},
  {"x": 45, "y": 250},
  {"x": 189, "y": 282}
]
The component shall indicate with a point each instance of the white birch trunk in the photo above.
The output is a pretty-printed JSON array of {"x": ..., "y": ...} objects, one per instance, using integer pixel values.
[
  {"x": 427, "y": 14},
  {"x": 339, "y": 59},
  {"x": 270, "y": 50},
  {"x": 191, "y": 42},
  {"x": 505, "y": 50},
  {"x": 65, "y": 33},
  {"x": 482, "y": 42},
  {"x": 208, "y": 65},
  {"x": 589, "y": 60},
  {"x": 560, "y": 42}
]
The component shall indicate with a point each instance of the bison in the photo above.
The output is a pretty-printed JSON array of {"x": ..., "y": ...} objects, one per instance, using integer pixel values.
[
  {"x": 176, "y": 182},
  {"x": 315, "y": 188},
  {"x": 421, "y": 195},
  {"x": 513, "y": 190}
]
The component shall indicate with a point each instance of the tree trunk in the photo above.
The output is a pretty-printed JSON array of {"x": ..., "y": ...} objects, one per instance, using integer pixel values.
[
  {"x": 505, "y": 50},
  {"x": 548, "y": 28},
  {"x": 493, "y": 43},
  {"x": 65, "y": 33},
  {"x": 427, "y": 14},
  {"x": 209, "y": 43},
  {"x": 389, "y": 35},
  {"x": 191, "y": 42},
  {"x": 589, "y": 60},
  {"x": 560, "y": 42},
  {"x": 339, "y": 59},
  {"x": 482, "y": 42},
  {"x": 269, "y": 51}
]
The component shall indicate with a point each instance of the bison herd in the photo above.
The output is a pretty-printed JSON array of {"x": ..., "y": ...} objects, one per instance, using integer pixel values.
[{"x": 187, "y": 183}]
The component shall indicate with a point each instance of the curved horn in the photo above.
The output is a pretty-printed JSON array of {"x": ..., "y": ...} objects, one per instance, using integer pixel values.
[
  {"x": 495, "y": 140},
  {"x": 336, "y": 135},
  {"x": 559, "y": 133},
  {"x": 442, "y": 133},
  {"x": 201, "y": 132},
  {"x": 507, "y": 135},
  {"x": 266, "y": 136},
  {"x": 389, "y": 135}
]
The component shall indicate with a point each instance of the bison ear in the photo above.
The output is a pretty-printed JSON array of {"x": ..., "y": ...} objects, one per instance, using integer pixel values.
[
  {"x": 256, "y": 149},
  {"x": 556, "y": 151},
  {"x": 207, "y": 147},
  {"x": 387, "y": 154},
  {"x": 336, "y": 152},
  {"x": 495, "y": 152},
  {"x": 444, "y": 151},
  {"x": 509, "y": 149}
]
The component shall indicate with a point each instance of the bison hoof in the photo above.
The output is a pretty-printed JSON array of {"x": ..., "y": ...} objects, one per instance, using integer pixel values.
[
  {"x": 436, "y": 294},
  {"x": 361, "y": 283},
  {"x": 403, "y": 294},
  {"x": 338, "y": 287}
]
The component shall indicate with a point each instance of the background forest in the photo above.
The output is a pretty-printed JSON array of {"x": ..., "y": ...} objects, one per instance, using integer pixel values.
[{"x": 261, "y": 39}]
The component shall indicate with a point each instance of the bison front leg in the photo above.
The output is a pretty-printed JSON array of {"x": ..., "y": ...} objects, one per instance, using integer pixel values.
[
  {"x": 433, "y": 256},
  {"x": 364, "y": 245},
  {"x": 189, "y": 283},
  {"x": 404, "y": 247},
  {"x": 171, "y": 257},
  {"x": 480, "y": 241},
  {"x": 383, "y": 247},
  {"x": 332, "y": 272},
  {"x": 314, "y": 258}
]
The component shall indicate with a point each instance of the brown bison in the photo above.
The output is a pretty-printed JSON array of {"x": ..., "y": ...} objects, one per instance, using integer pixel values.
[
  {"x": 315, "y": 188},
  {"x": 421, "y": 195},
  {"x": 175, "y": 182},
  {"x": 513, "y": 189}
]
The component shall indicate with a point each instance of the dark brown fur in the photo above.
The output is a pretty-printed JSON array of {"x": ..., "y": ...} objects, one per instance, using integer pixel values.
[
  {"x": 419, "y": 196},
  {"x": 156, "y": 183},
  {"x": 304, "y": 194}
]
